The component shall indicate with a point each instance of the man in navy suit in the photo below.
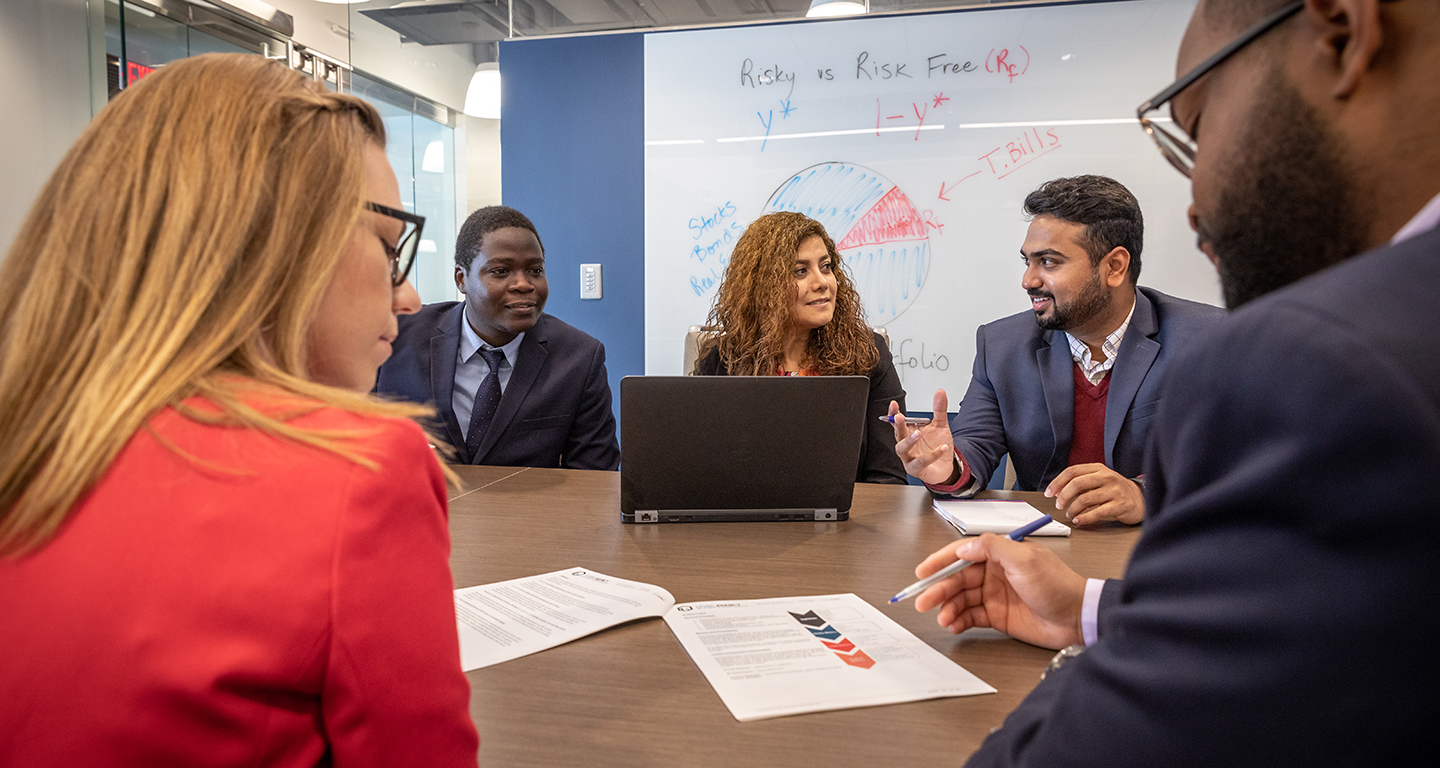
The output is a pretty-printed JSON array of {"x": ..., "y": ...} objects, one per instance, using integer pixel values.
[
  {"x": 512, "y": 385},
  {"x": 1070, "y": 388},
  {"x": 1279, "y": 608}
]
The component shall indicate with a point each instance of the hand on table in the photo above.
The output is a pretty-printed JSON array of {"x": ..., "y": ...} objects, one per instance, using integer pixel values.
[
  {"x": 1019, "y": 588},
  {"x": 927, "y": 452},
  {"x": 1090, "y": 493}
]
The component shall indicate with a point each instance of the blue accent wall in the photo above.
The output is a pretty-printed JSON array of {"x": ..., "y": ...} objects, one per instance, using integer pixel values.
[{"x": 572, "y": 158}]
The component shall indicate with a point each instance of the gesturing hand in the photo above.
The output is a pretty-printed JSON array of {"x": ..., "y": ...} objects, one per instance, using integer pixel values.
[
  {"x": 1019, "y": 588},
  {"x": 927, "y": 452}
]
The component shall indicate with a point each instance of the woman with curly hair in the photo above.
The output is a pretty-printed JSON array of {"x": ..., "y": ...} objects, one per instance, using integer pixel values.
[{"x": 787, "y": 307}]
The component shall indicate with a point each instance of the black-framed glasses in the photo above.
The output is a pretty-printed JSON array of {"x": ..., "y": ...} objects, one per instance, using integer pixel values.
[
  {"x": 402, "y": 256},
  {"x": 1175, "y": 143}
]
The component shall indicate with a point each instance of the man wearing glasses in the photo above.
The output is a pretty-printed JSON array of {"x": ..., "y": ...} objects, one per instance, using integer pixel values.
[
  {"x": 512, "y": 385},
  {"x": 1278, "y": 608}
]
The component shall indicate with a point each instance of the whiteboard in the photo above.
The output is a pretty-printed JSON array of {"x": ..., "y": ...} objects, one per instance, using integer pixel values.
[{"x": 914, "y": 140}]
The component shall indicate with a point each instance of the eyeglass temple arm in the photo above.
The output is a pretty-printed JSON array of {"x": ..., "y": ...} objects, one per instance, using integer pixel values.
[{"x": 1205, "y": 66}]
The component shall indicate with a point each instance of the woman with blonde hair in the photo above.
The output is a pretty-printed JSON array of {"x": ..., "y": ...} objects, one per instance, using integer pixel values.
[
  {"x": 215, "y": 547},
  {"x": 786, "y": 306}
]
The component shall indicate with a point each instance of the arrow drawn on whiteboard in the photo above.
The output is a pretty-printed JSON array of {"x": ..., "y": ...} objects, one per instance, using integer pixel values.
[{"x": 943, "y": 190}]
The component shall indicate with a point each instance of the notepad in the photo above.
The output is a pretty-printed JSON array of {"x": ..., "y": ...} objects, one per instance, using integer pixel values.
[{"x": 994, "y": 516}]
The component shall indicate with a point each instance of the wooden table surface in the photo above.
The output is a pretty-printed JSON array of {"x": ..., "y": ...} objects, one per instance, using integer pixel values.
[{"x": 631, "y": 696}]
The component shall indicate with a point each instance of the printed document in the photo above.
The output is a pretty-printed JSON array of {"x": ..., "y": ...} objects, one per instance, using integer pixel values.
[
  {"x": 789, "y": 655},
  {"x": 509, "y": 619},
  {"x": 995, "y": 516}
]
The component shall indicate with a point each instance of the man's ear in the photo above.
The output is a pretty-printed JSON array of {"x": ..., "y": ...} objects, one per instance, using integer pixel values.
[
  {"x": 1350, "y": 37},
  {"x": 1118, "y": 260},
  {"x": 459, "y": 279}
]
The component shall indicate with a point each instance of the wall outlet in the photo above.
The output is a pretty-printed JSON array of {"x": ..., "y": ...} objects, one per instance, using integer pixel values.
[{"x": 590, "y": 281}]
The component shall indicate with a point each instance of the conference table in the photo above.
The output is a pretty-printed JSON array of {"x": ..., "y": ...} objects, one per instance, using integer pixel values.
[{"x": 631, "y": 696}]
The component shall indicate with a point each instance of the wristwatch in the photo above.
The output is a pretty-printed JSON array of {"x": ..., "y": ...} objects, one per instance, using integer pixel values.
[{"x": 1062, "y": 658}]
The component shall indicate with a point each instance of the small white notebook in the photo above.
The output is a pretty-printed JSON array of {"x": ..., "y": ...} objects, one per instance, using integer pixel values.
[{"x": 994, "y": 516}]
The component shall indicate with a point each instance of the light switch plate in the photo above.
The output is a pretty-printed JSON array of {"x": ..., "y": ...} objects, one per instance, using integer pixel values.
[{"x": 590, "y": 287}]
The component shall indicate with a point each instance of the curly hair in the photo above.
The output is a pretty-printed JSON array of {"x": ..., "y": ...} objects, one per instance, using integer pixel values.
[{"x": 751, "y": 315}]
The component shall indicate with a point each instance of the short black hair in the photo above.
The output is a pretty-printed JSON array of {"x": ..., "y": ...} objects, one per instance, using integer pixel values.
[
  {"x": 483, "y": 222},
  {"x": 1239, "y": 14},
  {"x": 1111, "y": 214}
]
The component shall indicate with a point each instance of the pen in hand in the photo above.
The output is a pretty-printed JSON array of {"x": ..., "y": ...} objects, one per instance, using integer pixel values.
[
  {"x": 910, "y": 421},
  {"x": 960, "y": 565}
]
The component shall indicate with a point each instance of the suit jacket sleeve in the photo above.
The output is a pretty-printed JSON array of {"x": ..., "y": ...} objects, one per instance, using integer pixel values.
[
  {"x": 394, "y": 693},
  {"x": 878, "y": 460},
  {"x": 591, "y": 444},
  {"x": 979, "y": 430},
  {"x": 1268, "y": 615}
]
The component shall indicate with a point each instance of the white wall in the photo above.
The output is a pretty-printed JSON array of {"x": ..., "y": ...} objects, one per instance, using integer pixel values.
[{"x": 44, "y": 102}]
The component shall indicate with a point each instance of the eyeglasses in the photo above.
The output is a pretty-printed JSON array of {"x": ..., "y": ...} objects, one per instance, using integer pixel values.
[
  {"x": 1175, "y": 144},
  {"x": 402, "y": 256}
]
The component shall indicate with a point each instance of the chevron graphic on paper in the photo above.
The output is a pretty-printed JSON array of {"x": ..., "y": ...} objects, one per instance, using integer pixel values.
[
  {"x": 857, "y": 659},
  {"x": 828, "y": 633},
  {"x": 808, "y": 618},
  {"x": 830, "y": 638}
]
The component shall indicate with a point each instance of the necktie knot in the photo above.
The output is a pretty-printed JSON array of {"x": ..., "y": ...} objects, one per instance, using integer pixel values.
[{"x": 493, "y": 358}]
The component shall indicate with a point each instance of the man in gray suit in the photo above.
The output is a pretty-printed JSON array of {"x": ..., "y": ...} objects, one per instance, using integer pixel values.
[{"x": 1069, "y": 388}]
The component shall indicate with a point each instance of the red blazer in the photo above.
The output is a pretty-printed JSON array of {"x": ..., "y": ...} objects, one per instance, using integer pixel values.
[{"x": 233, "y": 598}]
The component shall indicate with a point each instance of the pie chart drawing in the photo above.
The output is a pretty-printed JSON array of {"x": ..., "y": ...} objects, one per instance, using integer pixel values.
[{"x": 876, "y": 229}]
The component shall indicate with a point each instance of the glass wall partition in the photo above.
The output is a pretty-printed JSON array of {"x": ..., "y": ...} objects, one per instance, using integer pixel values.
[{"x": 143, "y": 35}]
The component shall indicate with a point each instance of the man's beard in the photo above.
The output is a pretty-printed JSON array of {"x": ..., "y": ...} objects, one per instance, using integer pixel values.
[
  {"x": 1091, "y": 301},
  {"x": 1287, "y": 209}
]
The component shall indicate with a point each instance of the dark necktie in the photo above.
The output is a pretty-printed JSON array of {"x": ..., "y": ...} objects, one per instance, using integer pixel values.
[{"x": 487, "y": 400}]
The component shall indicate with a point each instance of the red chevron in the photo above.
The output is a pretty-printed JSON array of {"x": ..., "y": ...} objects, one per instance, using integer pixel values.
[
  {"x": 844, "y": 646},
  {"x": 857, "y": 659}
]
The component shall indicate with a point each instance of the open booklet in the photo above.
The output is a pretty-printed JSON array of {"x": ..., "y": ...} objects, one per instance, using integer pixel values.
[
  {"x": 509, "y": 619},
  {"x": 765, "y": 658}
]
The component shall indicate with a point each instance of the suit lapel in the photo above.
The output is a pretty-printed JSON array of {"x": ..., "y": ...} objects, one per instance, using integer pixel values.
[
  {"x": 527, "y": 370},
  {"x": 1053, "y": 357},
  {"x": 1132, "y": 364},
  {"x": 444, "y": 347}
]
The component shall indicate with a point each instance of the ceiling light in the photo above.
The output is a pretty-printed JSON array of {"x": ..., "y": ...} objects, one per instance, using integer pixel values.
[
  {"x": 821, "y": 8},
  {"x": 482, "y": 98},
  {"x": 434, "y": 158}
]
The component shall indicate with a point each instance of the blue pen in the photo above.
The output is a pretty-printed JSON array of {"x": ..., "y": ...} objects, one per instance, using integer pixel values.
[
  {"x": 960, "y": 565},
  {"x": 910, "y": 421}
]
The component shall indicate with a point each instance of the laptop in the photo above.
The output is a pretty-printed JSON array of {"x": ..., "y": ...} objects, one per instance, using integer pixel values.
[{"x": 739, "y": 448}]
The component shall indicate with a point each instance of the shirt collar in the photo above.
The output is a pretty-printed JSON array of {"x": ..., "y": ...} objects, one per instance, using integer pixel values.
[
  {"x": 1424, "y": 221},
  {"x": 1081, "y": 353},
  {"x": 470, "y": 341}
]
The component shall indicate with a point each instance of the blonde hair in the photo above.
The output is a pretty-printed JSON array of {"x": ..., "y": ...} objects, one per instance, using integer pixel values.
[
  {"x": 180, "y": 249},
  {"x": 752, "y": 311}
]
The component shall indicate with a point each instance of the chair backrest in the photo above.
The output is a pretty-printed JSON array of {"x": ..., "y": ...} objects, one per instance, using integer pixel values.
[
  {"x": 694, "y": 337},
  {"x": 698, "y": 335}
]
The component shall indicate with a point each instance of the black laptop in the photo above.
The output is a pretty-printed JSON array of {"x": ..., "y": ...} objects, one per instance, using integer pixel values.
[{"x": 738, "y": 448}]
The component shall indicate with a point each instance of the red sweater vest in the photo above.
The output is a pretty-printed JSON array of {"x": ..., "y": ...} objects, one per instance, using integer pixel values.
[{"x": 1087, "y": 442}]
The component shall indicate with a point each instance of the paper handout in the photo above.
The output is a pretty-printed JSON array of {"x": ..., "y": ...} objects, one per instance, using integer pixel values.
[
  {"x": 995, "y": 516},
  {"x": 789, "y": 655},
  {"x": 509, "y": 619}
]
